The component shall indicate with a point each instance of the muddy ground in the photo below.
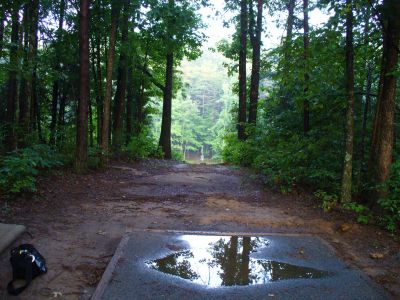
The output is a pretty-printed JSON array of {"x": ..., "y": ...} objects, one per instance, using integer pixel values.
[{"x": 77, "y": 221}]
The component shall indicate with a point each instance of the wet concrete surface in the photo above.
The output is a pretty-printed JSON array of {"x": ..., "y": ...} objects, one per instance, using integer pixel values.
[{"x": 134, "y": 273}]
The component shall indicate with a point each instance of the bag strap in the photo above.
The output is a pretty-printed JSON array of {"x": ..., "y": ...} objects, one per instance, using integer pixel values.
[{"x": 28, "y": 278}]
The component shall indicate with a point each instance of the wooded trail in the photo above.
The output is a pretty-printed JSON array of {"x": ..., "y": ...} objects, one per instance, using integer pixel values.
[{"x": 78, "y": 220}]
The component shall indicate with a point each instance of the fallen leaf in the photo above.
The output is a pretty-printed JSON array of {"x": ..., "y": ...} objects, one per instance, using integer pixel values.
[
  {"x": 344, "y": 227},
  {"x": 376, "y": 255}
]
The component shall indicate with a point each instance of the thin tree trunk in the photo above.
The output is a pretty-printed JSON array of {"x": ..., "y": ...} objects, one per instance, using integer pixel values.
[
  {"x": 32, "y": 60},
  {"x": 165, "y": 136},
  {"x": 306, "y": 103},
  {"x": 105, "y": 132},
  {"x": 129, "y": 104},
  {"x": 286, "y": 54},
  {"x": 255, "y": 71},
  {"x": 121, "y": 82},
  {"x": 368, "y": 87},
  {"x": 81, "y": 161},
  {"x": 99, "y": 94},
  {"x": 242, "y": 71},
  {"x": 24, "y": 105},
  {"x": 383, "y": 134},
  {"x": 56, "y": 82},
  {"x": 2, "y": 19},
  {"x": 10, "y": 139},
  {"x": 348, "y": 159}
]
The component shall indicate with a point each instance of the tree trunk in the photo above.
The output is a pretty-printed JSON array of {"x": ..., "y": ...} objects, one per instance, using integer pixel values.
[
  {"x": 99, "y": 92},
  {"x": 348, "y": 159},
  {"x": 129, "y": 104},
  {"x": 255, "y": 71},
  {"x": 165, "y": 136},
  {"x": 287, "y": 61},
  {"x": 35, "y": 117},
  {"x": 105, "y": 131},
  {"x": 121, "y": 82},
  {"x": 24, "y": 105},
  {"x": 383, "y": 133},
  {"x": 81, "y": 163},
  {"x": 56, "y": 83},
  {"x": 242, "y": 71},
  {"x": 368, "y": 67},
  {"x": 306, "y": 104},
  {"x": 2, "y": 19},
  {"x": 10, "y": 139}
]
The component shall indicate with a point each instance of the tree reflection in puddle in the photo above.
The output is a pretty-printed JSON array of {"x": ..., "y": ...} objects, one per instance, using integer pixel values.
[{"x": 226, "y": 261}]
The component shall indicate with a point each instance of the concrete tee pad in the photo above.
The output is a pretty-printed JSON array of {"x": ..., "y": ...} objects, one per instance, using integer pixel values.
[
  {"x": 8, "y": 234},
  {"x": 264, "y": 267}
]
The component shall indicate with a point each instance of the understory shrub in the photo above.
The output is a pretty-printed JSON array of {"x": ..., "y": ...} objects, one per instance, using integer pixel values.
[
  {"x": 18, "y": 170},
  {"x": 143, "y": 145},
  {"x": 391, "y": 203}
]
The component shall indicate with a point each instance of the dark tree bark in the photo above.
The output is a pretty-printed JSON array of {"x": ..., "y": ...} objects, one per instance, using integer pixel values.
[
  {"x": 129, "y": 104},
  {"x": 384, "y": 124},
  {"x": 285, "y": 92},
  {"x": 99, "y": 91},
  {"x": 35, "y": 117},
  {"x": 242, "y": 71},
  {"x": 255, "y": 39},
  {"x": 56, "y": 83},
  {"x": 121, "y": 82},
  {"x": 105, "y": 131},
  {"x": 2, "y": 19},
  {"x": 24, "y": 104},
  {"x": 368, "y": 87},
  {"x": 306, "y": 103},
  {"x": 165, "y": 136},
  {"x": 82, "y": 115},
  {"x": 10, "y": 139},
  {"x": 348, "y": 159}
]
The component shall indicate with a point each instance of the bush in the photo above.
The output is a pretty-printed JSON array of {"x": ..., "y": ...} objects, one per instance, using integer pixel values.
[
  {"x": 391, "y": 203},
  {"x": 18, "y": 170},
  {"x": 143, "y": 145}
]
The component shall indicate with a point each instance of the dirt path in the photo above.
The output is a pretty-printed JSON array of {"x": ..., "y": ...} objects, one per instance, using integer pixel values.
[{"x": 77, "y": 221}]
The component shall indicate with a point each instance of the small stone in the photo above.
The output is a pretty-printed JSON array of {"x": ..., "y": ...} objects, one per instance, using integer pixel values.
[
  {"x": 376, "y": 255},
  {"x": 344, "y": 227}
]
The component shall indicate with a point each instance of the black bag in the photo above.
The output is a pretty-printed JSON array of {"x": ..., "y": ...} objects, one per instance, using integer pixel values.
[{"x": 27, "y": 263}]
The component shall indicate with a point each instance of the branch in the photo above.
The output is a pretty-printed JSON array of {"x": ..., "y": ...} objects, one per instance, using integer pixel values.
[{"x": 151, "y": 77}]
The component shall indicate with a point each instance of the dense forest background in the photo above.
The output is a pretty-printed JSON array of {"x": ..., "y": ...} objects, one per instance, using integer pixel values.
[{"x": 85, "y": 81}]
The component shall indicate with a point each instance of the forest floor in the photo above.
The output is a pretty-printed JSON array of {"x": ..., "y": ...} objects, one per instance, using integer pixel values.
[{"x": 77, "y": 221}]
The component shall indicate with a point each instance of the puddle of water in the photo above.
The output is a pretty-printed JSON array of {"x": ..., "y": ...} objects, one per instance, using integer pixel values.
[{"x": 226, "y": 261}]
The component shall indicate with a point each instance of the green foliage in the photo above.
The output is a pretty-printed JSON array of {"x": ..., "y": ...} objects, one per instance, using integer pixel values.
[
  {"x": 18, "y": 171},
  {"x": 328, "y": 201},
  {"x": 143, "y": 145},
  {"x": 364, "y": 214},
  {"x": 391, "y": 203}
]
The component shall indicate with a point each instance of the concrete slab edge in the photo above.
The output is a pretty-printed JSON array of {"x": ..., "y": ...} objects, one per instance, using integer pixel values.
[
  {"x": 108, "y": 273},
  {"x": 19, "y": 229},
  {"x": 223, "y": 233}
]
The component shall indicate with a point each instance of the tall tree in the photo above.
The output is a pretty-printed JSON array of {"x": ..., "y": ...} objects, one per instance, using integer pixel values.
[
  {"x": 380, "y": 159},
  {"x": 12, "y": 81},
  {"x": 255, "y": 38},
  {"x": 56, "y": 82},
  {"x": 82, "y": 114},
  {"x": 165, "y": 135},
  {"x": 242, "y": 71},
  {"x": 105, "y": 131},
  {"x": 121, "y": 81},
  {"x": 348, "y": 159},
  {"x": 306, "y": 102}
]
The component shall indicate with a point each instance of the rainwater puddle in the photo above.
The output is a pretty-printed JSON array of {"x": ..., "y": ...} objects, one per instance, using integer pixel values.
[{"x": 227, "y": 261}]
